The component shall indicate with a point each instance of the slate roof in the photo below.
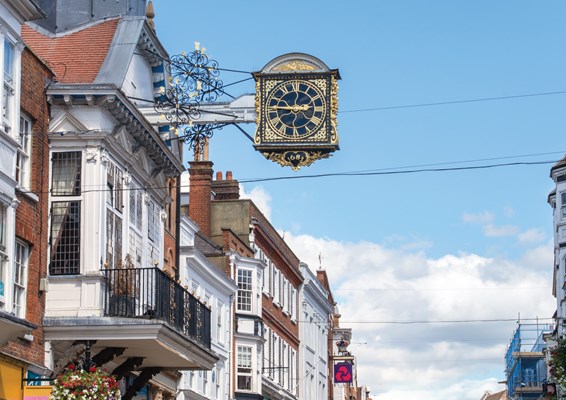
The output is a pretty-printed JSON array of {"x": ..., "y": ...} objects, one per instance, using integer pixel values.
[{"x": 75, "y": 56}]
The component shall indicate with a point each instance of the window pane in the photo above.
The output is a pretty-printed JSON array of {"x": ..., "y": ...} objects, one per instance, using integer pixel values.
[
  {"x": 3, "y": 223},
  {"x": 245, "y": 290},
  {"x": 65, "y": 238},
  {"x": 8, "y": 61},
  {"x": 20, "y": 265},
  {"x": 23, "y": 156},
  {"x": 66, "y": 174},
  {"x": 244, "y": 357},
  {"x": 113, "y": 239},
  {"x": 135, "y": 248},
  {"x": 135, "y": 206},
  {"x": 244, "y": 367},
  {"x": 8, "y": 90}
]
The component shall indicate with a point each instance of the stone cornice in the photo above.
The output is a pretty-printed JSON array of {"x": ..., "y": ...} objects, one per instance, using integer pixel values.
[{"x": 116, "y": 103}]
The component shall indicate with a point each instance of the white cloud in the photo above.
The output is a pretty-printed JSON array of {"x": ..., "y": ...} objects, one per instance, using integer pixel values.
[
  {"x": 491, "y": 230},
  {"x": 478, "y": 218},
  {"x": 531, "y": 236},
  {"x": 381, "y": 289},
  {"x": 260, "y": 197}
]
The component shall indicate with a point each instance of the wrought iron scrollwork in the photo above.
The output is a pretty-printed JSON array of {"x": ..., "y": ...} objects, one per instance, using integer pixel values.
[{"x": 195, "y": 79}]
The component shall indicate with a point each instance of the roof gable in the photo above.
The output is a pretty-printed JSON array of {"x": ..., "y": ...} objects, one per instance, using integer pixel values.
[
  {"x": 76, "y": 56},
  {"x": 66, "y": 122}
]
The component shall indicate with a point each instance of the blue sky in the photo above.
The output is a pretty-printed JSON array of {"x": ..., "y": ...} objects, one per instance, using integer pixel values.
[{"x": 490, "y": 230}]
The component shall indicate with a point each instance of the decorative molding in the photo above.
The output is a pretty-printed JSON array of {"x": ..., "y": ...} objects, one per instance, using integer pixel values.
[
  {"x": 103, "y": 156},
  {"x": 127, "y": 178},
  {"x": 92, "y": 154}
]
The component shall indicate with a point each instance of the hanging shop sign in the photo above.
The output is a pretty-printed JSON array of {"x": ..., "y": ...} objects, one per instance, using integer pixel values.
[{"x": 342, "y": 373}]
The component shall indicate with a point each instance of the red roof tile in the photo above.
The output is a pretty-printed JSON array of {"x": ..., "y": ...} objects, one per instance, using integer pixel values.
[{"x": 75, "y": 57}]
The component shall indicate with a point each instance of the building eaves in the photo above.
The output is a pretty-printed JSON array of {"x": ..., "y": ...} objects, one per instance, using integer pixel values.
[
  {"x": 114, "y": 101},
  {"x": 28, "y": 10}
]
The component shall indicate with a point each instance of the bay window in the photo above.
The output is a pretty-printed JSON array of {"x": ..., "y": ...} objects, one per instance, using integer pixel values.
[{"x": 65, "y": 235}]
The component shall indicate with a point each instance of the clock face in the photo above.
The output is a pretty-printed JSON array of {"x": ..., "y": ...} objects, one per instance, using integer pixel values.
[{"x": 295, "y": 109}]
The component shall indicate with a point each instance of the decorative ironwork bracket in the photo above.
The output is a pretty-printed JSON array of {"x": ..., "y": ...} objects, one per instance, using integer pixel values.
[{"x": 194, "y": 80}]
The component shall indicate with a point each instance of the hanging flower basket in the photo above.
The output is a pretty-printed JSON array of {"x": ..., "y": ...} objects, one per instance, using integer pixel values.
[{"x": 78, "y": 384}]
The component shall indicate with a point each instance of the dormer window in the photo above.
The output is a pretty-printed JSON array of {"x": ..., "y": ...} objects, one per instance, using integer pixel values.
[{"x": 563, "y": 205}]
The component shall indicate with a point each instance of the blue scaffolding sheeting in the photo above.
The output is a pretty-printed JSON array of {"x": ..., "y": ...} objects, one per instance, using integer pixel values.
[{"x": 525, "y": 367}]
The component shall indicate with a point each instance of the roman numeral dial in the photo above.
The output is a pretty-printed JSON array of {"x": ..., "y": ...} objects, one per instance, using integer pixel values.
[{"x": 295, "y": 109}]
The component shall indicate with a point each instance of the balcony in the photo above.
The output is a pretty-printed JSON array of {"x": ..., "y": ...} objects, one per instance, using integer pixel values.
[
  {"x": 140, "y": 310},
  {"x": 149, "y": 293}
]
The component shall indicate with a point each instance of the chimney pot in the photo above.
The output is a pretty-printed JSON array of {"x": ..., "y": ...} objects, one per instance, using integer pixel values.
[
  {"x": 228, "y": 175},
  {"x": 219, "y": 175}
]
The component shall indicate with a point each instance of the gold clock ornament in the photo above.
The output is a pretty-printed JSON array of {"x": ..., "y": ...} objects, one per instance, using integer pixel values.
[{"x": 296, "y": 108}]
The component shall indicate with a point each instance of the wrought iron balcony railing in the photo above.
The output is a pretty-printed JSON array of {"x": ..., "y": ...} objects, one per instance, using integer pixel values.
[{"x": 151, "y": 294}]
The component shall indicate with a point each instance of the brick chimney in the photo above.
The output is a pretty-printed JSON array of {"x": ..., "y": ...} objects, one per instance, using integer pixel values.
[
  {"x": 226, "y": 189},
  {"x": 200, "y": 194}
]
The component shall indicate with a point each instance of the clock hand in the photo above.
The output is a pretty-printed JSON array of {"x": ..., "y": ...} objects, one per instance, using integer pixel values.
[{"x": 295, "y": 108}]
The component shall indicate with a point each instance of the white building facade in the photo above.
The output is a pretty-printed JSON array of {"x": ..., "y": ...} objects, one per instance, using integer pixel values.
[
  {"x": 316, "y": 311},
  {"x": 107, "y": 290},
  {"x": 250, "y": 329},
  {"x": 212, "y": 286},
  {"x": 557, "y": 200}
]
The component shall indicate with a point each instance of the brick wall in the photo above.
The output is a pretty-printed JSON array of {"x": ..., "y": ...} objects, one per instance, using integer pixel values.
[
  {"x": 32, "y": 212},
  {"x": 200, "y": 194},
  {"x": 169, "y": 242}
]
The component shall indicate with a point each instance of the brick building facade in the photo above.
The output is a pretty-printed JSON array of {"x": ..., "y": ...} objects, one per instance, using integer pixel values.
[{"x": 26, "y": 352}]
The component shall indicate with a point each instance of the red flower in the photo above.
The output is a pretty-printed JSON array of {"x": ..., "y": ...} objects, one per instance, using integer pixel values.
[
  {"x": 71, "y": 367},
  {"x": 92, "y": 369}
]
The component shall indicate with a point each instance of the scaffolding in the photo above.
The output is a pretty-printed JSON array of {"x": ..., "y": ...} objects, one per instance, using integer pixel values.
[{"x": 525, "y": 366}]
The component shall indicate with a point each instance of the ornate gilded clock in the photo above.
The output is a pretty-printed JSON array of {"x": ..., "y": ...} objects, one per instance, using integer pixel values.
[{"x": 296, "y": 105}]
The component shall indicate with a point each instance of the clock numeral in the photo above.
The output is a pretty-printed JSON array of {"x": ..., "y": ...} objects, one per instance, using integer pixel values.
[
  {"x": 315, "y": 120},
  {"x": 318, "y": 109},
  {"x": 295, "y": 86}
]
